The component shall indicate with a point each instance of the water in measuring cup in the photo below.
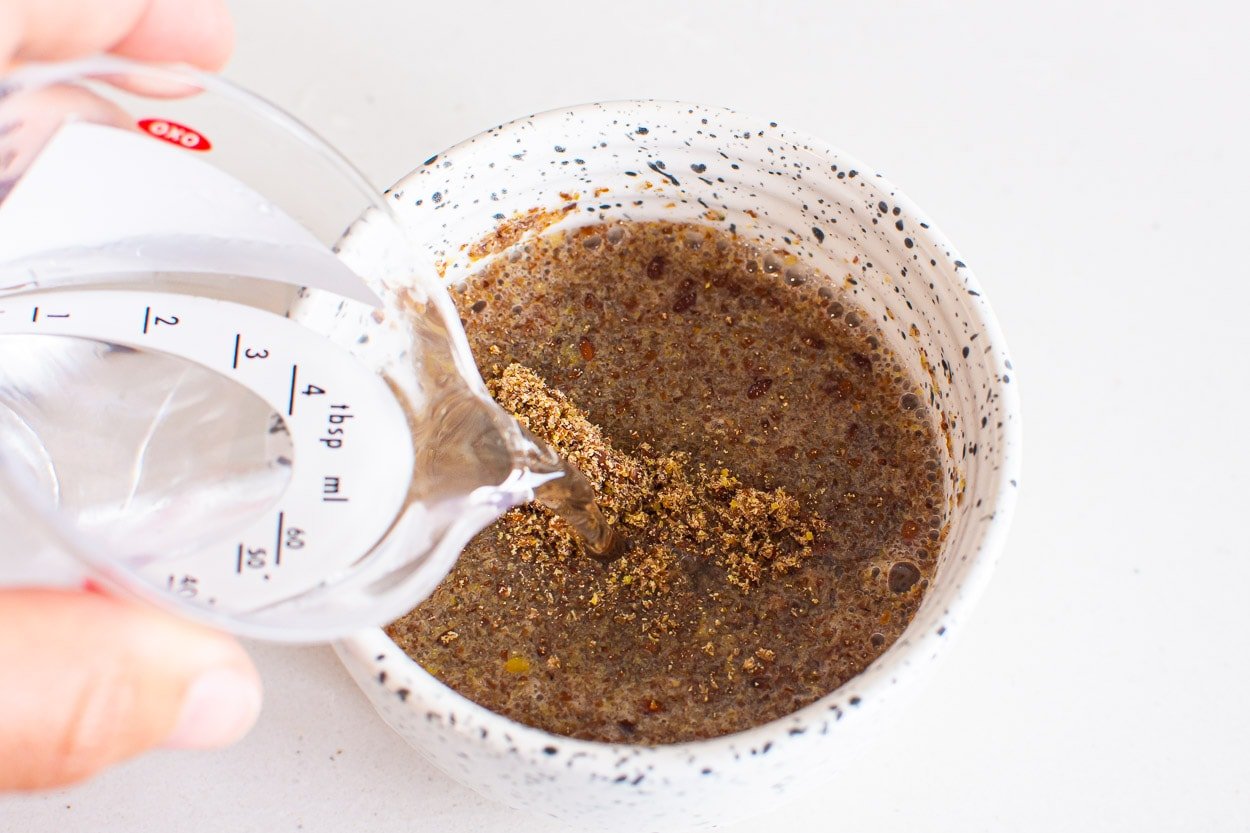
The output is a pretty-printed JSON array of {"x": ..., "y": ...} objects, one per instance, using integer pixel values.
[{"x": 140, "y": 448}]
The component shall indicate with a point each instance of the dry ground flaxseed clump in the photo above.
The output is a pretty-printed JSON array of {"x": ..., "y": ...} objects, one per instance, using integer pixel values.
[
  {"x": 771, "y": 464},
  {"x": 660, "y": 504}
]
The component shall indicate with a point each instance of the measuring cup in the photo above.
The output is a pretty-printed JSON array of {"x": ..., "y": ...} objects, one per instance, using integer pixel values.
[{"x": 226, "y": 383}]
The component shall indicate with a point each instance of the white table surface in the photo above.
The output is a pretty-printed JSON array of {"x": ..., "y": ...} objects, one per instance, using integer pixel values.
[{"x": 1091, "y": 161}]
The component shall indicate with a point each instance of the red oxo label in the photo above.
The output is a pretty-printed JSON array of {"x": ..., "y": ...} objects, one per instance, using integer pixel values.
[{"x": 175, "y": 134}]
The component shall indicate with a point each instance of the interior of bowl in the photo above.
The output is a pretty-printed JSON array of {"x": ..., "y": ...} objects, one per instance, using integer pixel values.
[{"x": 817, "y": 210}]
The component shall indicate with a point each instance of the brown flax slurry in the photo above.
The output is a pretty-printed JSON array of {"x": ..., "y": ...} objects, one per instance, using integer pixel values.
[{"x": 775, "y": 472}]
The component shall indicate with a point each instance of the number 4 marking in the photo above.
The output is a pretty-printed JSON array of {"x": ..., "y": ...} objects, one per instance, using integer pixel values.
[{"x": 312, "y": 390}]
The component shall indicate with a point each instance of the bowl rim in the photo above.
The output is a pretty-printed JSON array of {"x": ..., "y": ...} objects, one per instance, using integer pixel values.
[{"x": 373, "y": 647}]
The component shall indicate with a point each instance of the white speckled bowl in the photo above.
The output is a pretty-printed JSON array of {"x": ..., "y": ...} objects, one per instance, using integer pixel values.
[{"x": 645, "y": 160}]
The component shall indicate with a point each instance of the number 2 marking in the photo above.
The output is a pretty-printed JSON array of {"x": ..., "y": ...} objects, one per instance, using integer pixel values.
[{"x": 150, "y": 321}]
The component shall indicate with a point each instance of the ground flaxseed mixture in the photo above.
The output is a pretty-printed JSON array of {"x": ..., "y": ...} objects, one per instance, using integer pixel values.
[
  {"x": 769, "y": 463},
  {"x": 661, "y": 505}
]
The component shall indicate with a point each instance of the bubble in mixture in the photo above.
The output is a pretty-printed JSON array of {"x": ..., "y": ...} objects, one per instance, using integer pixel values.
[
  {"x": 796, "y": 276},
  {"x": 903, "y": 576}
]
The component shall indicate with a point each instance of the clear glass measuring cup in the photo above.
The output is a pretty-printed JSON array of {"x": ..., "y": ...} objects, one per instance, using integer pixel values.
[{"x": 227, "y": 384}]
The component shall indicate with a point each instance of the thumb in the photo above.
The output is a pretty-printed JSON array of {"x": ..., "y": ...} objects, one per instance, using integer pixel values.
[{"x": 87, "y": 680}]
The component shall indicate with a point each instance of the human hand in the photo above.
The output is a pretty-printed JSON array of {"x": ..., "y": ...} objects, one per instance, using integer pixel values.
[
  {"x": 197, "y": 32},
  {"x": 87, "y": 680}
]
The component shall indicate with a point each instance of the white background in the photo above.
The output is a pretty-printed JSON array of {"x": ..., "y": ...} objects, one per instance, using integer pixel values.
[{"x": 1090, "y": 159}]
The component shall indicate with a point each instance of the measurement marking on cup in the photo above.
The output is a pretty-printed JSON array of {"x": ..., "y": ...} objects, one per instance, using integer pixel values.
[
  {"x": 238, "y": 564},
  {"x": 56, "y": 315},
  {"x": 34, "y": 316},
  {"x": 237, "y": 338},
  {"x": 147, "y": 316},
  {"x": 330, "y": 490},
  {"x": 290, "y": 402},
  {"x": 277, "y": 550}
]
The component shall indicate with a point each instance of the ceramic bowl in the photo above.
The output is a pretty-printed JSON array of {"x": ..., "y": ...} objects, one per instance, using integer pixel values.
[{"x": 646, "y": 160}]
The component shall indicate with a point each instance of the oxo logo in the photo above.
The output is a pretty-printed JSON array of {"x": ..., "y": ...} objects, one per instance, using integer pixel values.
[{"x": 175, "y": 134}]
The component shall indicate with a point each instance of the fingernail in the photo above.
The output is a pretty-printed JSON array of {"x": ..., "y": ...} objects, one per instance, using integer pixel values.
[{"x": 219, "y": 708}]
